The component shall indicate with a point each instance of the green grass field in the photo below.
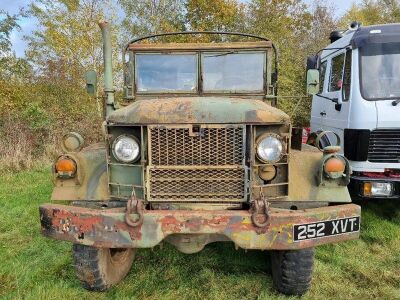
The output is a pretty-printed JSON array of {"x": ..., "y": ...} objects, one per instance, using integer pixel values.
[{"x": 34, "y": 267}]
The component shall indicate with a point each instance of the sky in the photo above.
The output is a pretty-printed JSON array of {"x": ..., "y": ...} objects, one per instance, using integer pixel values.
[{"x": 28, "y": 24}]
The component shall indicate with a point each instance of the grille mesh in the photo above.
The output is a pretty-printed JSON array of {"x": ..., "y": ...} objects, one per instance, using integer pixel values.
[
  {"x": 212, "y": 146},
  {"x": 384, "y": 146},
  {"x": 196, "y": 185}
]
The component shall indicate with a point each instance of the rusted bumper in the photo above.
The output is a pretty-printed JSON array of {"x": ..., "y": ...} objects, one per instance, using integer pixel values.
[{"x": 107, "y": 228}]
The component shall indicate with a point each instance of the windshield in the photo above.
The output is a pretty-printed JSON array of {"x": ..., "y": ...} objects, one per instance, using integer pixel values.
[
  {"x": 380, "y": 71},
  {"x": 166, "y": 72},
  {"x": 233, "y": 72}
]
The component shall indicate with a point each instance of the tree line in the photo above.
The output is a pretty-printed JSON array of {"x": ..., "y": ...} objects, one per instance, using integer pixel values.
[{"x": 41, "y": 94}]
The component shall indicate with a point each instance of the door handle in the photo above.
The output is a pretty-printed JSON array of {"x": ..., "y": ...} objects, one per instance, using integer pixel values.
[{"x": 322, "y": 113}]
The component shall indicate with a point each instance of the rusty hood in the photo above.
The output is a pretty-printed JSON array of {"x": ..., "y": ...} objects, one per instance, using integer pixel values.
[{"x": 211, "y": 110}]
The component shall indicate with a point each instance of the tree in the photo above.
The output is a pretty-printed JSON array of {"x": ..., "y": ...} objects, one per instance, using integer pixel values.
[
  {"x": 322, "y": 24},
  {"x": 285, "y": 22},
  {"x": 68, "y": 40},
  {"x": 11, "y": 67},
  {"x": 218, "y": 15},
  {"x": 144, "y": 17},
  {"x": 371, "y": 12}
]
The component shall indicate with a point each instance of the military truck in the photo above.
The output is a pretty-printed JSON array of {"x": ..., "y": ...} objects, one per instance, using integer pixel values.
[{"x": 200, "y": 154}]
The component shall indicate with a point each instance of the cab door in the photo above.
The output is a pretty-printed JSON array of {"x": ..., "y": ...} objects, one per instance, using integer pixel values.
[
  {"x": 319, "y": 103},
  {"x": 338, "y": 91}
]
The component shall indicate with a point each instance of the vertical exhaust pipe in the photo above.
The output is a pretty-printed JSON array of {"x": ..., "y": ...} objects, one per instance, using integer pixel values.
[{"x": 108, "y": 75}]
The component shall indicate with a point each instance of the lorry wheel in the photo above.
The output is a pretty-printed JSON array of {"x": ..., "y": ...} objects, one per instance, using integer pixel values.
[
  {"x": 100, "y": 268},
  {"x": 292, "y": 270}
]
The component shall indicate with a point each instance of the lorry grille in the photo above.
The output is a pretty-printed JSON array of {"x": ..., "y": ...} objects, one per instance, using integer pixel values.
[
  {"x": 211, "y": 146},
  {"x": 384, "y": 146},
  {"x": 197, "y": 185},
  {"x": 194, "y": 164}
]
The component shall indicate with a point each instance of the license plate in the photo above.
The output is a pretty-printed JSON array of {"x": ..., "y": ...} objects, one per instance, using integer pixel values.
[{"x": 317, "y": 230}]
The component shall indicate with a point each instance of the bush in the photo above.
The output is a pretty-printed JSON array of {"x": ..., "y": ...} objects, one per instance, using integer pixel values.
[{"x": 35, "y": 116}]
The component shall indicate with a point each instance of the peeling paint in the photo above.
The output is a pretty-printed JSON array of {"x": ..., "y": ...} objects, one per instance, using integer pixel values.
[{"x": 235, "y": 225}]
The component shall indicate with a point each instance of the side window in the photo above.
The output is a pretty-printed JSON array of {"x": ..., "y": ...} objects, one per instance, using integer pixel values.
[
  {"x": 322, "y": 71},
  {"x": 336, "y": 82},
  {"x": 347, "y": 76}
]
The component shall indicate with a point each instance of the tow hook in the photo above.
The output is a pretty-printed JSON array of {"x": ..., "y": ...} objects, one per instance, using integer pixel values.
[
  {"x": 134, "y": 206},
  {"x": 260, "y": 215}
]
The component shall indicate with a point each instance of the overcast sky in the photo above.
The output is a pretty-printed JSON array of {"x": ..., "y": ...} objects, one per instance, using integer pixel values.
[{"x": 27, "y": 25}]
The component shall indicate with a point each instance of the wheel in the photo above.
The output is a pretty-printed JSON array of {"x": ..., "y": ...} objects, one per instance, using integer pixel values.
[
  {"x": 292, "y": 270},
  {"x": 100, "y": 268}
]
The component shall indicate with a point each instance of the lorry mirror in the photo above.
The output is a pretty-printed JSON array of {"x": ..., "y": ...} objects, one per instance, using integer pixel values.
[
  {"x": 312, "y": 62},
  {"x": 312, "y": 81},
  {"x": 91, "y": 82},
  {"x": 274, "y": 78}
]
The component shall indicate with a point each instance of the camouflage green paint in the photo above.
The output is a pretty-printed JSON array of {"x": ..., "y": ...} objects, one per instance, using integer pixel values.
[{"x": 90, "y": 182}]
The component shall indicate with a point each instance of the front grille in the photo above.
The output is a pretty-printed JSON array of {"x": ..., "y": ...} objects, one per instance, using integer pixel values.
[
  {"x": 384, "y": 146},
  {"x": 193, "y": 185},
  {"x": 196, "y": 163},
  {"x": 211, "y": 146}
]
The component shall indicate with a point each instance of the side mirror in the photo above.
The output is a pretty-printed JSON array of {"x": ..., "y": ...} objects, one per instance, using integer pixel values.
[
  {"x": 274, "y": 78},
  {"x": 91, "y": 82},
  {"x": 312, "y": 81},
  {"x": 312, "y": 62}
]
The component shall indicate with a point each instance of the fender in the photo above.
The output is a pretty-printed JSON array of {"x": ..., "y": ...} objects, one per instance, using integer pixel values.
[{"x": 90, "y": 182}]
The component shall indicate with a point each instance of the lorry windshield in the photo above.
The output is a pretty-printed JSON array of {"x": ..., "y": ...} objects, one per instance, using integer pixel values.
[
  {"x": 380, "y": 71},
  {"x": 221, "y": 72},
  {"x": 166, "y": 72},
  {"x": 233, "y": 72}
]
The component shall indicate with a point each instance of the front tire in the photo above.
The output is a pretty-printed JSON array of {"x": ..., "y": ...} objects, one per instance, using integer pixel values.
[
  {"x": 100, "y": 268},
  {"x": 292, "y": 270}
]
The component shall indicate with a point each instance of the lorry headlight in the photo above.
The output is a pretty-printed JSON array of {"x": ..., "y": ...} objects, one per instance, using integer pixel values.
[
  {"x": 374, "y": 188},
  {"x": 269, "y": 148},
  {"x": 126, "y": 148}
]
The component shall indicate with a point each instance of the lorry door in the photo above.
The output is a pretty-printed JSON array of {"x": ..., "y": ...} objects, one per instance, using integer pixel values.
[
  {"x": 319, "y": 103},
  {"x": 338, "y": 89},
  {"x": 388, "y": 114}
]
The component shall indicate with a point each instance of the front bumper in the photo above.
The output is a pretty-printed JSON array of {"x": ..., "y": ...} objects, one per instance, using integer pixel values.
[{"x": 107, "y": 228}]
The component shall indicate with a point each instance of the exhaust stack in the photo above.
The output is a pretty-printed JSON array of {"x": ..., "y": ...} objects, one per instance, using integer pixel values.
[{"x": 108, "y": 75}]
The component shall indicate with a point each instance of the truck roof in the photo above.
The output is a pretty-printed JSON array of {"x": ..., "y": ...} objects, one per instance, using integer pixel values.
[
  {"x": 384, "y": 33},
  {"x": 199, "y": 46}
]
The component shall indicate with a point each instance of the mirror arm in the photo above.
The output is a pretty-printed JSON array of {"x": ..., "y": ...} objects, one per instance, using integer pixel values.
[{"x": 335, "y": 100}]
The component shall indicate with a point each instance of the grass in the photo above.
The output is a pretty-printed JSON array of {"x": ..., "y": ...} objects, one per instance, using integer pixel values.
[{"x": 34, "y": 267}]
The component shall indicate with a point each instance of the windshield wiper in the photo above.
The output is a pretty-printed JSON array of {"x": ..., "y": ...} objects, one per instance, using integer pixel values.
[{"x": 395, "y": 102}]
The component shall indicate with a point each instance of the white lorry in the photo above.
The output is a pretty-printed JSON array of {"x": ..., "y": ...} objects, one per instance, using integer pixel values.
[{"x": 355, "y": 82}]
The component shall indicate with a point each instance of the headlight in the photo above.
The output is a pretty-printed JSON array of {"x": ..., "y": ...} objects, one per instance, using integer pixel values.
[
  {"x": 269, "y": 148},
  {"x": 126, "y": 148}
]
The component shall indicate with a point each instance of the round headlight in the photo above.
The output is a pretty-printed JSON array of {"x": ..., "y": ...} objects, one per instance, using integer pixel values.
[
  {"x": 269, "y": 149},
  {"x": 126, "y": 148}
]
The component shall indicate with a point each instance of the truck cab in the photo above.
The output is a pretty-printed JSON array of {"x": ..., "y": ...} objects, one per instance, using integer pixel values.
[
  {"x": 197, "y": 153},
  {"x": 358, "y": 100}
]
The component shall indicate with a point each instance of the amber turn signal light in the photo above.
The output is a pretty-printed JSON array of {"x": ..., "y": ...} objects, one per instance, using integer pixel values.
[
  {"x": 334, "y": 167},
  {"x": 334, "y": 164},
  {"x": 65, "y": 166},
  {"x": 367, "y": 189}
]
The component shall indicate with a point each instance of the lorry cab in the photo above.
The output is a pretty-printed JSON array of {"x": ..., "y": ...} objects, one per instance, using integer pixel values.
[{"x": 358, "y": 99}]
